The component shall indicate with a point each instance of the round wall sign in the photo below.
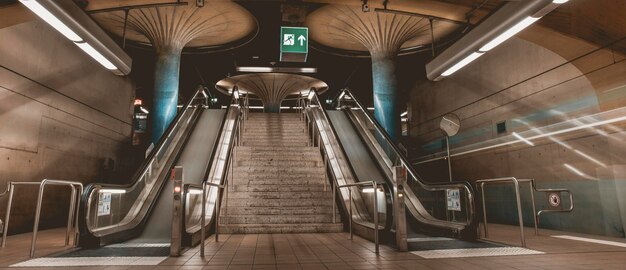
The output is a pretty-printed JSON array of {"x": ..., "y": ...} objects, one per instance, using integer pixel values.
[{"x": 554, "y": 199}]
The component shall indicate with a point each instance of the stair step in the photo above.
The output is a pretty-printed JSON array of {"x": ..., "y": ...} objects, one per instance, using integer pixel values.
[
  {"x": 281, "y": 228},
  {"x": 270, "y": 143},
  {"x": 276, "y": 163},
  {"x": 280, "y": 188},
  {"x": 285, "y": 210},
  {"x": 278, "y": 181},
  {"x": 277, "y": 149},
  {"x": 274, "y": 219},
  {"x": 318, "y": 195},
  {"x": 278, "y": 202},
  {"x": 296, "y": 171}
]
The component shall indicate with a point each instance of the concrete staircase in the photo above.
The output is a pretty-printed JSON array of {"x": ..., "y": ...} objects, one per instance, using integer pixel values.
[{"x": 278, "y": 181}]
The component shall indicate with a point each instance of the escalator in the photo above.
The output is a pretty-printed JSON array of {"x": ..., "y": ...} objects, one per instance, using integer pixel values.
[
  {"x": 142, "y": 213},
  {"x": 365, "y": 153}
]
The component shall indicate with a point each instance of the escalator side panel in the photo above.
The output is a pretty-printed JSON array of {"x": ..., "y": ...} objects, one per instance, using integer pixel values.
[
  {"x": 358, "y": 155},
  {"x": 194, "y": 158}
]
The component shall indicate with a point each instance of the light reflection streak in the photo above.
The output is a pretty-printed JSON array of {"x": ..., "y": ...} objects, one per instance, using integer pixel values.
[{"x": 576, "y": 171}]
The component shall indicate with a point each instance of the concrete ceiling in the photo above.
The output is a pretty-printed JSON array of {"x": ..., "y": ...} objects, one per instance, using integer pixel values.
[
  {"x": 217, "y": 23},
  {"x": 349, "y": 28}
]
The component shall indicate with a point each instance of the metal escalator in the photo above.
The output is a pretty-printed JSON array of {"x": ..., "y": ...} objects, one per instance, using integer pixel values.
[
  {"x": 143, "y": 211},
  {"x": 365, "y": 148}
]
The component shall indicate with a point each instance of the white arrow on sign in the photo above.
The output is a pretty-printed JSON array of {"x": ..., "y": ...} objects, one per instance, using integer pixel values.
[{"x": 301, "y": 38}]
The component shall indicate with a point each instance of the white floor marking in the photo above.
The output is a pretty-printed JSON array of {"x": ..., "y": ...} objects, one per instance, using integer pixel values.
[
  {"x": 428, "y": 239},
  {"x": 591, "y": 240},
  {"x": 138, "y": 245},
  {"x": 475, "y": 252},
  {"x": 89, "y": 261}
]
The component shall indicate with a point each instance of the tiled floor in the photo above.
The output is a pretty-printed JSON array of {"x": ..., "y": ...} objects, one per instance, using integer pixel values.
[{"x": 335, "y": 251}]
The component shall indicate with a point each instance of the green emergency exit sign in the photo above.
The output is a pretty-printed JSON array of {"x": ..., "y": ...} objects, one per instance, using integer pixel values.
[{"x": 294, "y": 44}]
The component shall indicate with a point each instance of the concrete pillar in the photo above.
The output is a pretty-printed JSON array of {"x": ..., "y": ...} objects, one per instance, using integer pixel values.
[
  {"x": 385, "y": 90},
  {"x": 271, "y": 107},
  {"x": 166, "y": 78}
]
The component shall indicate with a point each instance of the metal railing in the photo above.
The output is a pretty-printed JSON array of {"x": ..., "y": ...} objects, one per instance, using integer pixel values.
[
  {"x": 374, "y": 203},
  {"x": 404, "y": 162},
  {"x": 134, "y": 199},
  {"x": 322, "y": 134},
  {"x": 73, "y": 213},
  {"x": 532, "y": 187}
]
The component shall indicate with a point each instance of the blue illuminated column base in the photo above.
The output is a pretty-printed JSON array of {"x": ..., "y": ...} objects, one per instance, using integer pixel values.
[
  {"x": 386, "y": 93},
  {"x": 271, "y": 107},
  {"x": 166, "y": 78}
]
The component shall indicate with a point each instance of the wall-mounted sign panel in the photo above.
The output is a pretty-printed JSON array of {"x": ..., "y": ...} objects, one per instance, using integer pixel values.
[
  {"x": 454, "y": 199},
  {"x": 294, "y": 44}
]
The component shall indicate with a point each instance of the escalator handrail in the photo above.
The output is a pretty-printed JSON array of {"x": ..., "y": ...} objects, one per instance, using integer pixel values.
[
  {"x": 207, "y": 174},
  {"x": 341, "y": 148},
  {"x": 143, "y": 168},
  {"x": 221, "y": 130},
  {"x": 405, "y": 162}
]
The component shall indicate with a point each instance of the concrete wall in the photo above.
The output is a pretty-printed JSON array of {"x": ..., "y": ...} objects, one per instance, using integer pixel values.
[
  {"x": 62, "y": 116},
  {"x": 537, "y": 92}
]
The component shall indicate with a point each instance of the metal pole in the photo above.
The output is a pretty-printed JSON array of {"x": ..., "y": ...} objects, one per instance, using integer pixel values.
[
  {"x": 202, "y": 220},
  {"x": 124, "y": 32},
  {"x": 519, "y": 212},
  {"x": 376, "y": 215},
  {"x": 432, "y": 36},
  {"x": 217, "y": 215},
  {"x": 77, "y": 215},
  {"x": 37, "y": 215},
  {"x": 7, "y": 215},
  {"x": 482, "y": 193},
  {"x": 448, "y": 158},
  {"x": 70, "y": 215},
  {"x": 350, "y": 211},
  {"x": 532, "y": 198},
  {"x": 334, "y": 204}
]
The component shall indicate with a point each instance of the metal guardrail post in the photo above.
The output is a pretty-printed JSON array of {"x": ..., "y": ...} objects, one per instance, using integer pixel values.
[
  {"x": 42, "y": 186},
  {"x": 375, "y": 207},
  {"x": 8, "y": 214},
  {"x": 350, "y": 211},
  {"x": 203, "y": 221}
]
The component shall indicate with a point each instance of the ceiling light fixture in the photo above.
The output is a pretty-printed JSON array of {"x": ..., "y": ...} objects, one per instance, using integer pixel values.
[
  {"x": 277, "y": 69},
  {"x": 505, "y": 23},
  {"x": 73, "y": 23}
]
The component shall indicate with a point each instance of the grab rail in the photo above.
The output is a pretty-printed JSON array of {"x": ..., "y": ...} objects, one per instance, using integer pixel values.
[
  {"x": 143, "y": 175},
  {"x": 77, "y": 189},
  {"x": 533, "y": 187},
  {"x": 374, "y": 202},
  {"x": 407, "y": 164},
  {"x": 323, "y": 140}
]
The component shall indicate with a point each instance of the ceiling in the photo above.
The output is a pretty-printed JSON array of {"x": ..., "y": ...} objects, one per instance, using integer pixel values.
[{"x": 598, "y": 22}]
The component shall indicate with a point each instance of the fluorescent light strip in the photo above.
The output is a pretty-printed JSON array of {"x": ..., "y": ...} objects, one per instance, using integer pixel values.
[
  {"x": 95, "y": 55},
  {"x": 509, "y": 33},
  {"x": 404, "y": 114},
  {"x": 523, "y": 139},
  {"x": 254, "y": 69},
  {"x": 113, "y": 191},
  {"x": 53, "y": 21},
  {"x": 560, "y": 1},
  {"x": 462, "y": 63}
]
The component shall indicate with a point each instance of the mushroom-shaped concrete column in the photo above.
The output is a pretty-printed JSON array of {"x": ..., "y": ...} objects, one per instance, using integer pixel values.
[
  {"x": 169, "y": 29},
  {"x": 347, "y": 27},
  {"x": 271, "y": 88}
]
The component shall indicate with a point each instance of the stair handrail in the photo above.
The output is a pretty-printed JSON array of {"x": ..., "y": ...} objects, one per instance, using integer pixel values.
[{"x": 467, "y": 187}]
